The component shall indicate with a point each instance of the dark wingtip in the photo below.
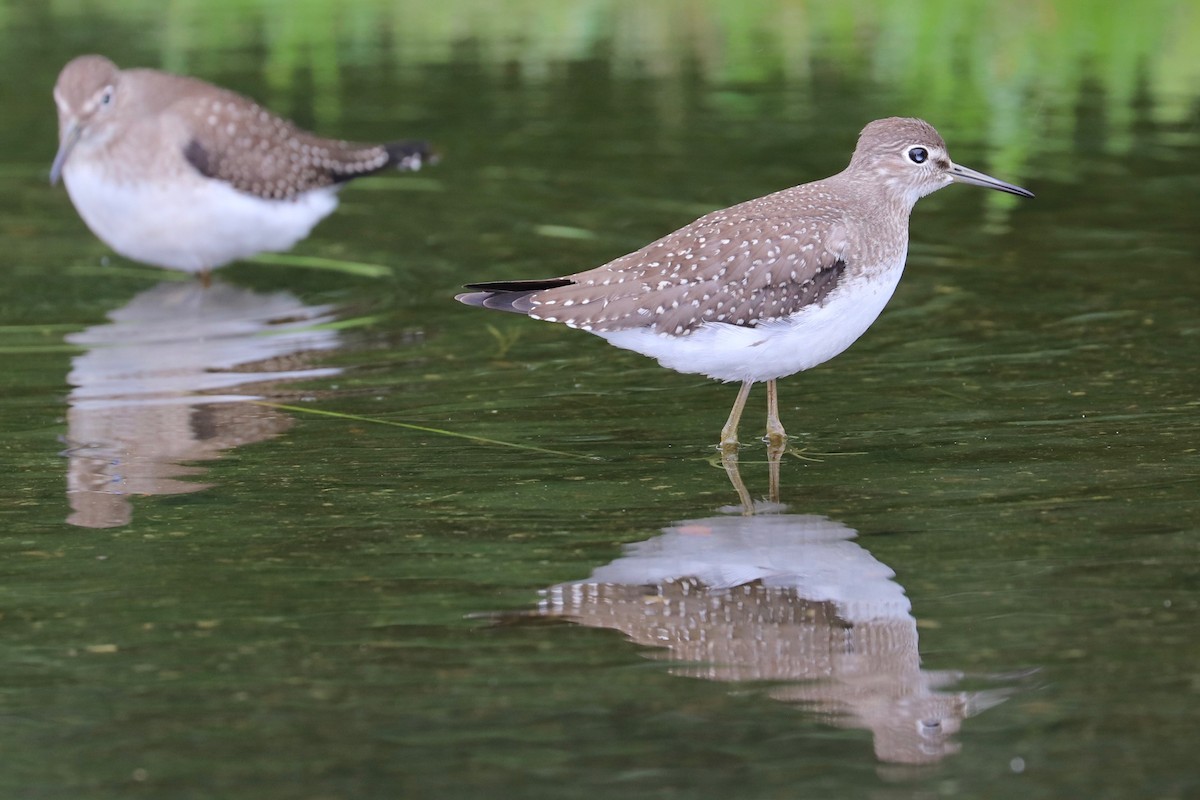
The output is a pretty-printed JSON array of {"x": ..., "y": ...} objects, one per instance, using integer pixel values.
[
  {"x": 519, "y": 286},
  {"x": 411, "y": 154},
  {"x": 511, "y": 296}
]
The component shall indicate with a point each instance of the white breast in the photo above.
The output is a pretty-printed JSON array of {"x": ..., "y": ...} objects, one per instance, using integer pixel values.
[
  {"x": 773, "y": 349},
  {"x": 189, "y": 222}
]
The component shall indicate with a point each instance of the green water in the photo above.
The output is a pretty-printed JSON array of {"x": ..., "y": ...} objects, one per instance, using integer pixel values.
[{"x": 333, "y": 590}]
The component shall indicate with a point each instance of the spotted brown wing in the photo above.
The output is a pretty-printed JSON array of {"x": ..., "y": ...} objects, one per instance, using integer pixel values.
[
  {"x": 237, "y": 141},
  {"x": 745, "y": 265}
]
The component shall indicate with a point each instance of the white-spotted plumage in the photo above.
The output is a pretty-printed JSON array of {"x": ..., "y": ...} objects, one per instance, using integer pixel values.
[
  {"x": 178, "y": 173},
  {"x": 765, "y": 288},
  {"x": 770, "y": 349}
]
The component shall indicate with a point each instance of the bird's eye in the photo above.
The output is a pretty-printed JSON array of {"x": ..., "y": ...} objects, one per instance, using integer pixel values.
[
  {"x": 106, "y": 96},
  {"x": 917, "y": 155}
]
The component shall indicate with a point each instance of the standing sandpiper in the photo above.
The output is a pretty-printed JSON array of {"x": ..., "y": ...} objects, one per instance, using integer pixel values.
[
  {"x": 178, "y": 173},
  {"x": 766, "y": 288}
]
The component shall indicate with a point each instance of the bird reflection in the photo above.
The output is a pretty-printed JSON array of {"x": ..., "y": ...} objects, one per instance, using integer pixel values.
[
  {"x": 785, "y": 598},
  {"x": 166, "y": 383}
]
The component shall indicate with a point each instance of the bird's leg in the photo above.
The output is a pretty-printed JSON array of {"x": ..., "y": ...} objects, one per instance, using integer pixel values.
[
  {"x": 729, "y": 460},
  {"x": 729, "y": 440},
  {"x": 205, "y": 278},
  {"x": 775, "y": 451},
  {"x": 776, "y": 436}
]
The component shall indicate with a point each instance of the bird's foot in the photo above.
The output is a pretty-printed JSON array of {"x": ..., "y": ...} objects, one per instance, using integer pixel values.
[
  {"x": 776, "y": 438},
  {"x": 729, "y": 441}
]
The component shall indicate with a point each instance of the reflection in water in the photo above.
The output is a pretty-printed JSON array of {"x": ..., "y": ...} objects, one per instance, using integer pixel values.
[
  {"x": 782, "y": 597},
  {"x": 729, "y": 461},
  {"x": 155, "y": 389}
]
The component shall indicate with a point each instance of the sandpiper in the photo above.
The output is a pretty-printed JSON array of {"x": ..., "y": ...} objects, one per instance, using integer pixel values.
[
  {"x": 766, "y": 288},
  {"x": 178, "y": 173}
]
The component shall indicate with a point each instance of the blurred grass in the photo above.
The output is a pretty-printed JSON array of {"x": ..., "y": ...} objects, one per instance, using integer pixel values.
[
  {"x": 1022, "y": 59},
  {"x": 483, "y": 440},
  {"x": 329, "y": 264}
]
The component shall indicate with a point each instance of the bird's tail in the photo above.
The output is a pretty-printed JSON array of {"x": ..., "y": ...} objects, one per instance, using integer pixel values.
[
  {"x": 512, "y": 296},
  {"x": 410, "y": 154}
]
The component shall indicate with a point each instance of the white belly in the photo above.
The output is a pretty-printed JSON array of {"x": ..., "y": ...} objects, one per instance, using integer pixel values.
[
  {"x": 773, "y": 349},
  {"x": 189, "y": 222}
]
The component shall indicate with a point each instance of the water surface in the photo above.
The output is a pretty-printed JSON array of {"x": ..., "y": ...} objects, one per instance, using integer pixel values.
[{"x": 337, "y": 566}]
